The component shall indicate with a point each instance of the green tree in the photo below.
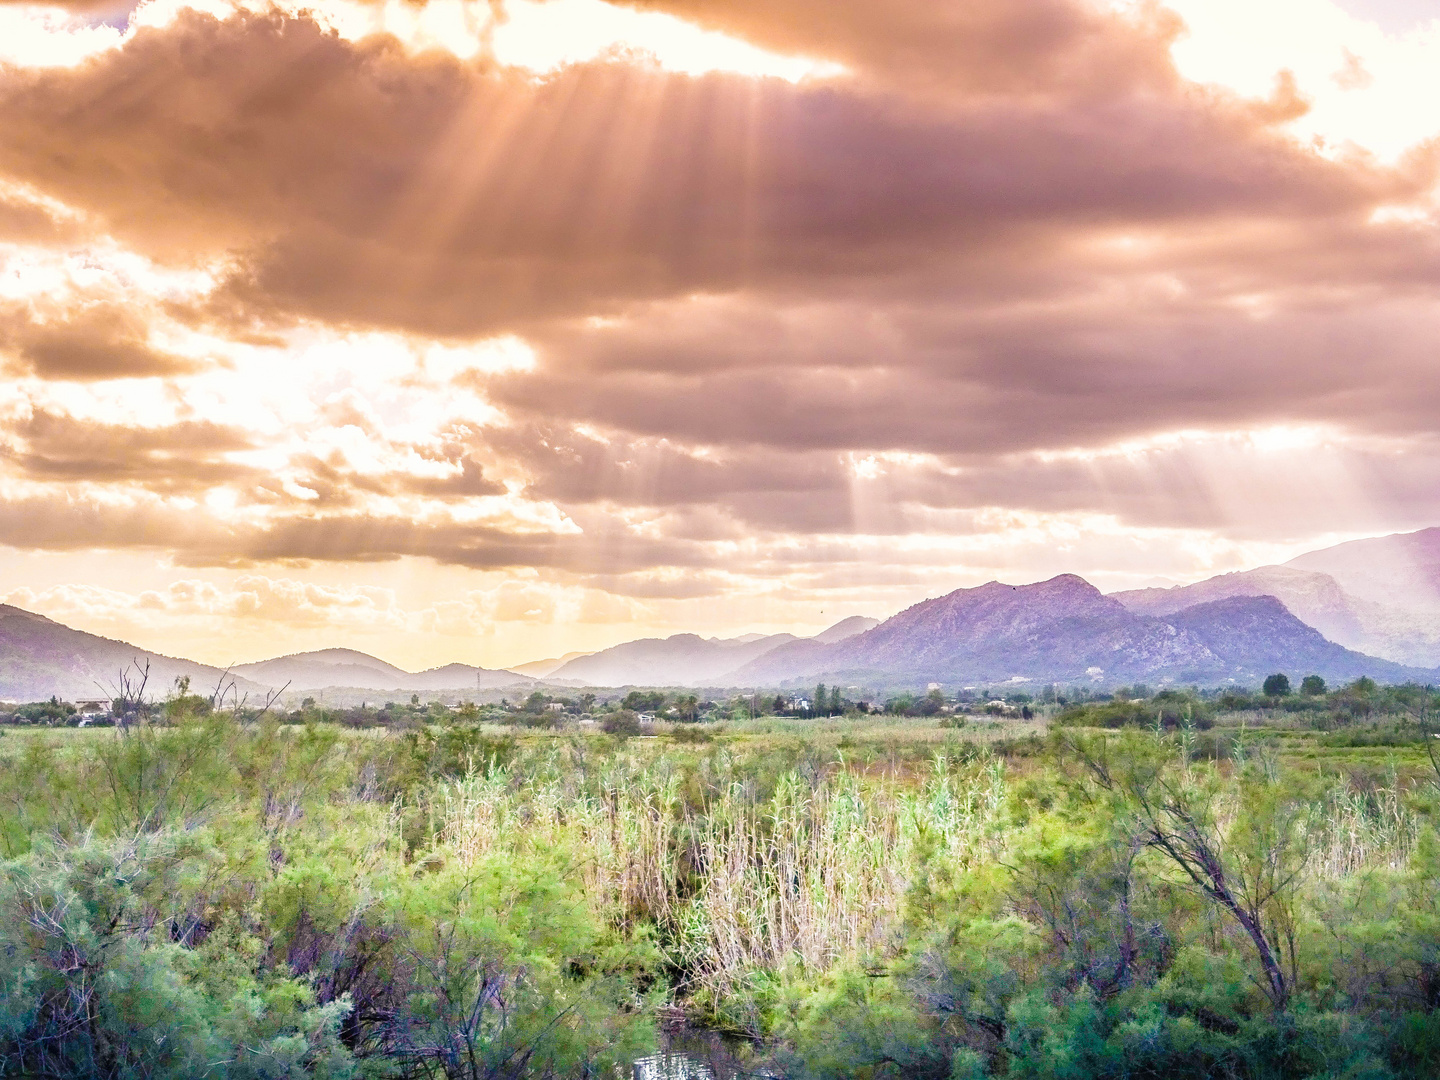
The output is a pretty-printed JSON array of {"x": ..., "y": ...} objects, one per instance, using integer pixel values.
[
  {"x": 96, "y": 982},
  {"x": 1312, "y": 686},
  {"x": 644, "y": 700},
  {"x": 513, "y": 976},
  {"x": 822, "y": 699},
  {"x": 1277, "y": 685}
]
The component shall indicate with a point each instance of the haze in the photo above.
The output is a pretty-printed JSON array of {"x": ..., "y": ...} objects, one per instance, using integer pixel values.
[{"x": 484, "y": 332}]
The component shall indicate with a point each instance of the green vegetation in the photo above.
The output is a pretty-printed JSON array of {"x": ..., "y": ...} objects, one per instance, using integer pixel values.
[{"x": 1169, "y": 884}]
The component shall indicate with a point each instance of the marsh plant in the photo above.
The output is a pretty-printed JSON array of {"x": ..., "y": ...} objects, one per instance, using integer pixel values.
[{"x": 224, "y": 899}]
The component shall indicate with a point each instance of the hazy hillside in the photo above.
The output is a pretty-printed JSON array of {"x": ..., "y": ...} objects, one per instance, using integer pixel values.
[
  {"x": 1398, "y": 571},
  {"x": 40, "y": 658},
  {"x": 1257, "y": 636},
  {"x": 690, "y": 660},
  {"x": 680, "y": 660},
  {"x": 1065, "y": 630},
  {"x": 1374, "y": 596},
  {"x": 539, "y": 669},
  {"x": 845, "y": 628},
  {"x": 349, "y": 668}
]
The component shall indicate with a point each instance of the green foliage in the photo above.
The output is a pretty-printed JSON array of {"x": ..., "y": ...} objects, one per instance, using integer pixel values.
[
  {"x": 1167, "y": 709},
  {"x": 1276, "y": 686},
  {"x": 98, "y": 978},
  {"x": 1312, "y": 686},
  {"x": 643, "y": 700},
  {"x": 1152, "y": 900},
  {"x": 622, "y": 722}
]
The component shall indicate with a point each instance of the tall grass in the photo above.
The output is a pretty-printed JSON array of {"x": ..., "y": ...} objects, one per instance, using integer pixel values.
[
  {"x": 806, "y": 871},
  {"x": 1349, "y": 831},
  {"x": 808, "y": 874}
]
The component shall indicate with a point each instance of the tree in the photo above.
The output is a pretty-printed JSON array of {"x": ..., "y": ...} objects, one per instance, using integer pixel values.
[
  {"x": 1312, "y": 686},
  {"x": 822, "y": 698},
  {"x": 1245, "y": 859},
  {"x": 622, "y": 722},
  {"x": 836, "y": 705},
  {"x": 644, "y": 700},
  {"x": 1276, "y": 686}
]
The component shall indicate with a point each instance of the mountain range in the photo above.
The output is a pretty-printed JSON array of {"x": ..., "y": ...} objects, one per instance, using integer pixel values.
[
  {"x": 1065, "y": 630},
  {"x": 40, "y": 658},
  {"x": 349, "y": 668},
  {"x": 1379, "y": 596},
  {"x": 1369, "y": 607},
  {"x": 690, "y": 660}
]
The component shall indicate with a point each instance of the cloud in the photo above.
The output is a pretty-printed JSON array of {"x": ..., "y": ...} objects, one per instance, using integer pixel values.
[
  {"x": 101, "y": 341},
  {"x": 186, "y": 456},
  {"x": 360, "y": 183},
  {"x": 275, "y": 297}
]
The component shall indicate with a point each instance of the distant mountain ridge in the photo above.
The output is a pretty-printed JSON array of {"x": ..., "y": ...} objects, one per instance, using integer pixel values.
[
  {"x": 1066, "y": 630},
  {"x": 1367, "y": 607},
  {"x": 1401, "y": 570},
  {"x": 40, "y": 658},
  {"x": 1380, "y": 597},
  {"x": 539, "y": 669},
  {"x": 688, "y": 659},
  {"x": 326, "y": 668}
]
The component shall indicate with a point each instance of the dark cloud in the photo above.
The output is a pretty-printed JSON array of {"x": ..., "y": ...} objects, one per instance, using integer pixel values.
[
  {"x": 181, "y": 457},
  {"x": 27, "y": 222},
  {"x": 1034, "y": 46},
  {"x": 96, "y": 341},
  {"x": 361, "y": 183},
  {"x": 1012, "y": 229},
  {"x": 76, "y": 522}
]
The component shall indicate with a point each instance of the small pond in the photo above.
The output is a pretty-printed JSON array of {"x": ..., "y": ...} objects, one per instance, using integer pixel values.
[{"x": 693, "y": 1054}]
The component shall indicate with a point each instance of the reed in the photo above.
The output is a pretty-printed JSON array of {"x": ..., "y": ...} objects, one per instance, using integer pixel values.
[{"x": 810, "y": 875}]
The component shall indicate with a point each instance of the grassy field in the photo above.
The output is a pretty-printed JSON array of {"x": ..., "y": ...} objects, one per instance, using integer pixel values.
[{"x": 1251, "y": 894}]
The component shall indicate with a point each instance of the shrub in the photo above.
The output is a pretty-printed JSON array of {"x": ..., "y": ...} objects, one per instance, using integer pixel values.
[
  {"x": 622, "y": 722},
  {"x": 1276, "y": 686}
]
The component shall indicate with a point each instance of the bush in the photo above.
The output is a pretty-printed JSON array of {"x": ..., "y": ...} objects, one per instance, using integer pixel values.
[
  {"x": 1276, "y": 686},
  {"x": 94, "y": 983},
  {"x": 622, "y": 722}
]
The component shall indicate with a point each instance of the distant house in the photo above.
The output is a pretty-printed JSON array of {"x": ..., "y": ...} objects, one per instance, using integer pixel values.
[
  {"x": 555, "y": 706},
  {"x": 802, "y": 704}
]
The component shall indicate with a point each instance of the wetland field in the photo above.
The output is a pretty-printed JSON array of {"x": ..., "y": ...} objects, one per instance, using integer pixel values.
[{"x": 1171, "y": 885}]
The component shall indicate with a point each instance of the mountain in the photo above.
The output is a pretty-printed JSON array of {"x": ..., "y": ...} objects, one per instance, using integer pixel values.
[
  {"x": 1374, "y": 596},
  {"x": 326, "y": 668},
  {"x": 1258, "y": 636},
  {"x": 1397, "y": 571},
  {"x": 40, "y": 658},
  {"x": 1066, "y": 630},
  {"x": 539, "y": 669},
  {"x": 681, "y": 660},
  {"x": 845, "y": 628},
  {"x": 1314, "y": 598},
  {"x": 686, "y": 659}
]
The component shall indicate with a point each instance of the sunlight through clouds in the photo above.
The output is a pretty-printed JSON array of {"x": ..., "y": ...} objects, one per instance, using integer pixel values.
[
  {"x": 1365, "y": 88},
  {"x": 589, "y": 320}
]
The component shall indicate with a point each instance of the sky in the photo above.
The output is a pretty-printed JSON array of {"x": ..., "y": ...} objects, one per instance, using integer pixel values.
[{"x": 489, "y": 330}]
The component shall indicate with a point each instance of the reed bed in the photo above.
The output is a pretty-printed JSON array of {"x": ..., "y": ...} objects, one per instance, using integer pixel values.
[
  {"x": 809, "y": 874},
  {"x": 1350, "y": 831},
  {"x": 809, "y": 870}
]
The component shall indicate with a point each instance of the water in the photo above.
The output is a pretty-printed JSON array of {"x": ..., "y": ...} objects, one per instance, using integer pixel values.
[{"x": 692, "y": 1054}]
